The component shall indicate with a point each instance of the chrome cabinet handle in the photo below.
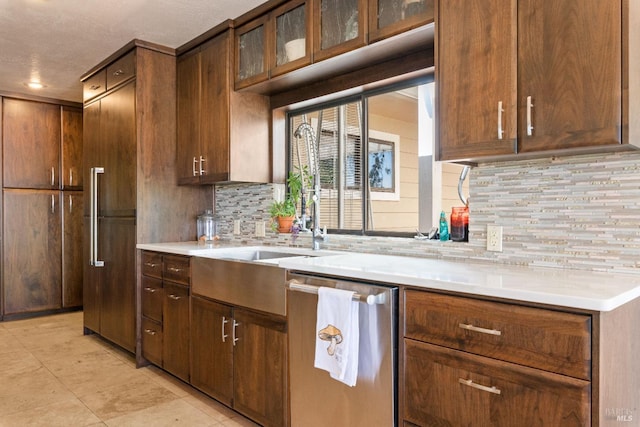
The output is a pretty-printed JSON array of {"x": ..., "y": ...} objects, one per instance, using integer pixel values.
[
  {"x": 150, "y": 331},
  {"x": 151, "y": 265},
  {"x": 500, "y": 111},
  {"x": 174, "y": 297},
  {"x": 195, "y": 162},
  {"x": 470, "y": 383},
  {"x": 70, "y": 176},
  {"x": 149, "y": 289},
  {"x": 118, "y": 72},
  {"x": 93, "y": 227},
  {"x": 224, "y": 336},
  {"x": 174, "y": 269},
  {"x": 529, "y": 124},
  {"x": 202, "y": 171},
  {"x": 70, "y": 204},
  {"x": 53, "y": 204},
  {"x": 53, "y": 176},
  {"x": 235, "y": 324},
  {"x": 470, "y": 327}
]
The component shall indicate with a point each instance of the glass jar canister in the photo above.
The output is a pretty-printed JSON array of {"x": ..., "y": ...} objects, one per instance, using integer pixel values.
[
  {"x": 460, "y": 224},
  {"x": 207, "y": 227}
]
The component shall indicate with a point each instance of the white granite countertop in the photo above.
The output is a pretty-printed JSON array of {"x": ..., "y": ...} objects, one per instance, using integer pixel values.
[{"x": 567, "y": 288}]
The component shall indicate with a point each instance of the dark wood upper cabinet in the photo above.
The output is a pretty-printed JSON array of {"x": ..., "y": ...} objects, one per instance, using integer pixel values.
[
  {"x": 71, "y": 175},
  {"x": 476, "y": 78},
  {"x": 390, "y": 17},
  {"x": 569, "y": 74},
  {"x": 31, "y": 144},
  {"x": 223, "y": 135},
  {"x": 251, "y": 47},
  {"x": 339, "y": 26},
  {"x": 291, "y": 37},
  {"x": 530, "y": 77}
]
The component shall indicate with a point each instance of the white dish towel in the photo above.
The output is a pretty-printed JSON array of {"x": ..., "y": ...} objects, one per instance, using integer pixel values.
[{"x": 337, "y": 334}]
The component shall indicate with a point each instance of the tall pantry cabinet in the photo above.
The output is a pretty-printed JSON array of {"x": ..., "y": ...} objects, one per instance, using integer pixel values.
[
  {"x": 129, "y": 170},
  {"x": 41, "y": 148}
]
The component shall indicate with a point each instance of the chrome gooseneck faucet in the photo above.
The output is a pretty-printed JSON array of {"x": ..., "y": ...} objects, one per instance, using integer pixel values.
[{"x": 312, "y": 154}]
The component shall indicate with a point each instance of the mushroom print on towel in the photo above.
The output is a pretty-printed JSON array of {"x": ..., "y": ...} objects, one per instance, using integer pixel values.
[{"x": 337, "y": 323}]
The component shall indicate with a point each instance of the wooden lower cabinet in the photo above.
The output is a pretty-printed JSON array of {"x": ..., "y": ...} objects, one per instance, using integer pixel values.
[
  {"x": 32, "y": 250},
  {"x": 152, "y": 341},
  {"x": 175, "y": 330},
  {"x": 165, "y": 312},
  {"x": 472, "y": 362},
  {"x": 260, "y": 367},
  {"x": 211, "y": 349},
  {"x": 239, "y": 358},
  {"x": 446, "y": 387},
  {"x": 72, "y": 208}
]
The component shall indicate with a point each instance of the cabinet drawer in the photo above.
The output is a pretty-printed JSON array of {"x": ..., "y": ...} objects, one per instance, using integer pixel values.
[
  {"x": 152, "y": 341},
  {"x": 545, "y": 339},
  {"x": 94, "y": 85},
  {"x": 449, "y": 387},
  {"x": 152, "y": 298},
  {"x": 152, "y": 264},
  {"x": 177, "y": 269},
  {"x": 121, "y": 70}
]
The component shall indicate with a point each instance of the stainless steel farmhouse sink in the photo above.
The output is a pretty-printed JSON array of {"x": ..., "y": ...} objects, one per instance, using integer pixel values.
[
  {"x": 246, "y": 276},
  {"x": 259, "y": 255}
]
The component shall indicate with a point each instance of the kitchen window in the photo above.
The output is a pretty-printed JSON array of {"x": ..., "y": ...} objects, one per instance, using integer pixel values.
[{"x": 375, "y": 160}]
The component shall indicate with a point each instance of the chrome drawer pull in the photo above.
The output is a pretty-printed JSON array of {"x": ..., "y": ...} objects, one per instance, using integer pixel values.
[
  {"x": 150, "y": 264},
  {"x": 470, "y": 383},
  {"x": 478, "y": 329},
  {"x": 174, "y": 269},
  {"x": 529, "y": 121},
  {"x": 174, "y": 297},
  {"x": 94, "y": 87},
  {"x": 500, "y": 111},
  {"x": 233, "y": 331},
  {"x": 118, "y": 73},
  {"x": 150, "y": 331},
  {"x": 224, "y": 336},
  {"x": 150, "y": 290}
]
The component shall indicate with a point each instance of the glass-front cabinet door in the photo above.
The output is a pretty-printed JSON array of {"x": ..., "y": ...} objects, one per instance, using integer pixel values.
[
  {"x": 340, "y": 25},
  {"x": 251, "y": 48},
  {"x": 292, "y": 34},
  {"x": 390, "y": 17}
]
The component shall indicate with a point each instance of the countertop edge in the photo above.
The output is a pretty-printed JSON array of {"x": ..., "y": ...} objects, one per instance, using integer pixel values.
[{"x": 563, "y": 298}]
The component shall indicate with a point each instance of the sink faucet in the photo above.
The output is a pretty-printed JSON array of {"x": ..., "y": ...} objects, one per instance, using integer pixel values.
[
  {"x": 312, "y": 155},
  {"x": 318, "y": 235}
]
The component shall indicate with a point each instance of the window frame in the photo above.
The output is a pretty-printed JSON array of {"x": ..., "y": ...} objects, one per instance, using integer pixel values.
[{"x": 363, "y": 98}]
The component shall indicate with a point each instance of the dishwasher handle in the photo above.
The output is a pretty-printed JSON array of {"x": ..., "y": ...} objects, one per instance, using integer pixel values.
[{"x": 296, "y": 285}]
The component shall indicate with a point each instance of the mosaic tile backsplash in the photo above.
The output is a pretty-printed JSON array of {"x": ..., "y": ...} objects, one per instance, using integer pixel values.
[{"x": 580, "y": 212}]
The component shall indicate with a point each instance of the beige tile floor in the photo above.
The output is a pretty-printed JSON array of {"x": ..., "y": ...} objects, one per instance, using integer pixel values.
[{"x": 53, "y": 375}]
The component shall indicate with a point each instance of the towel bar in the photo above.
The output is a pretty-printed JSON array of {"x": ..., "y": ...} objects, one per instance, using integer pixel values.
[{"x": 380, "y": 298}]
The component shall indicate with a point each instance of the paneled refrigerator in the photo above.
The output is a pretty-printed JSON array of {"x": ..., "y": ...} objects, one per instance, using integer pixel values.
[{"x": 133, "y": 197}]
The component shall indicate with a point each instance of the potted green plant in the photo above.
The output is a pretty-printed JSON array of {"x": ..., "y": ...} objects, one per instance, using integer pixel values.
[{"x": 284, "y": 212}]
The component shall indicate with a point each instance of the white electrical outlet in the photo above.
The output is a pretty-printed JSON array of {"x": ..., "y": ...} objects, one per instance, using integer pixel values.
[
  {"x": 494, "y": 238},
  {"x": 260, "y": 229},
  {"x": 236, "y": 226}
]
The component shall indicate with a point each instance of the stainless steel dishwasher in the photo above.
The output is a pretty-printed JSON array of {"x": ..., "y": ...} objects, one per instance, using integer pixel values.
[{"x": 316, "y": 398}]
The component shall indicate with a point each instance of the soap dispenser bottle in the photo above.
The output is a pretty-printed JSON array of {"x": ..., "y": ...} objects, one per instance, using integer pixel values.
[{"x": 444, "y": 228}]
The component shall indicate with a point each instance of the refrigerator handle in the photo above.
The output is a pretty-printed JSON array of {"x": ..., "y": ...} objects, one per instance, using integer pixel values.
[{"x": 93, "y": 226}]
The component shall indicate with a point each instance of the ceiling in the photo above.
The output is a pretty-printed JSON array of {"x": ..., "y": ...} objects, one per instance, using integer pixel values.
[{"x": 56, "y": 41}]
